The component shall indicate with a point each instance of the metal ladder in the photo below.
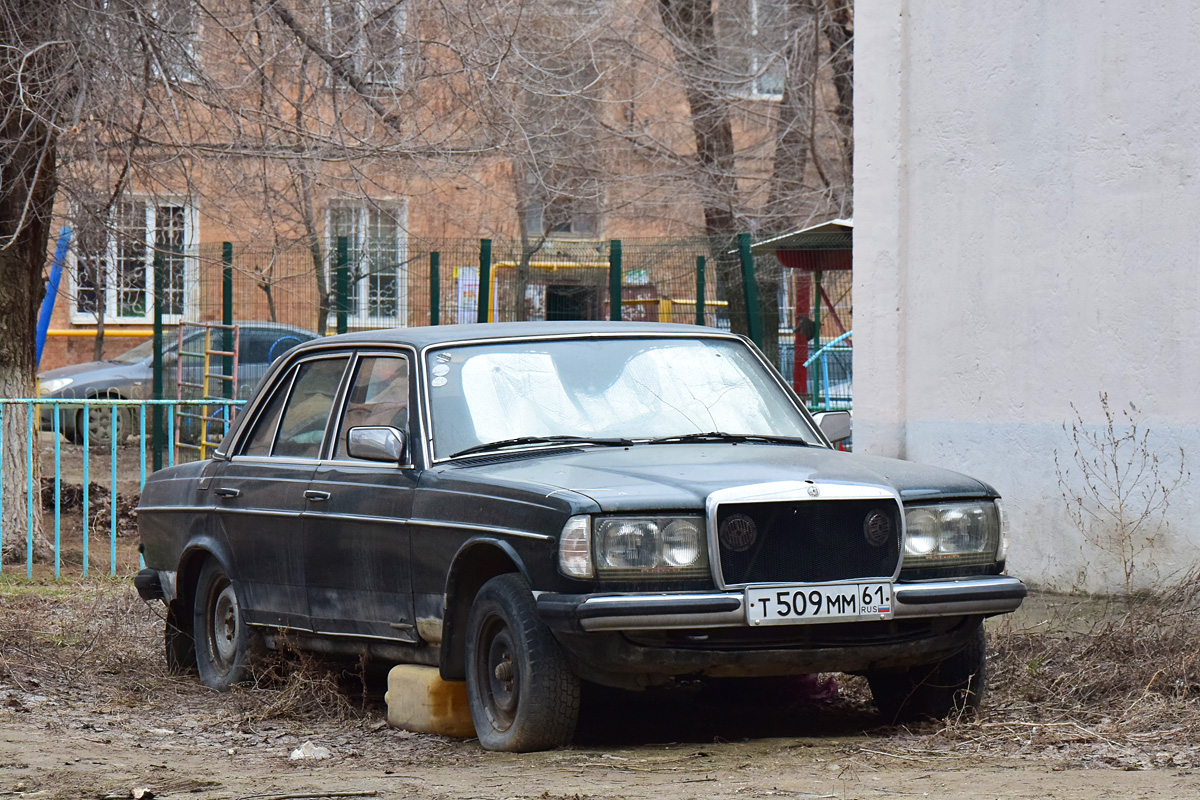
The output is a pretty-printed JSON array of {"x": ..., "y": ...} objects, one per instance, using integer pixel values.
[{"x": 200, "y": 428}]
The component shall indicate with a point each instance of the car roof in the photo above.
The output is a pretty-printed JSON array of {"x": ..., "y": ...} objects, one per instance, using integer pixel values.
[{"x": 429, "y": 335}]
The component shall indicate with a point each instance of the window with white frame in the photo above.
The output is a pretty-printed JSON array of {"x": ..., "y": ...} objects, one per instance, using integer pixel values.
[
  {"x": 376, "y": 245},
  {"x": 367, "y": 36},
  {"x": 566, "y": 217},
  {"x": 753, "y": 36},
  {"x": 113, "y": 271},
  {"x": 176, "y": 51}
]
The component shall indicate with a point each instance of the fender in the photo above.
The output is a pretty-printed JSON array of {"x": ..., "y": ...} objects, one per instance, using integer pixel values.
[
  {"x": 190, "y": 560},
  {"x": 480, "y": 559}
]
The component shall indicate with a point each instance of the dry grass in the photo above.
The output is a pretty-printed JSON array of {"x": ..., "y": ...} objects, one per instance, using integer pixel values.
[
  {"x": 1119, "y": 684},
  {"x": 1112, "y": 682},
  {"x": 100, "y": 645},
  {"x": 293, "y": 685}
]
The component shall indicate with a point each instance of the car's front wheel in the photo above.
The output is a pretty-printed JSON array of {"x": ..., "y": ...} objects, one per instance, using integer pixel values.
[
  {"x": 522, "y": 693},
  {"x": 956, "y": 684},
  {"x": 223, "y": 640}
]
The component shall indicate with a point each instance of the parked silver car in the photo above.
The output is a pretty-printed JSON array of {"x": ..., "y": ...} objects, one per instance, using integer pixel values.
[{"x": 130, "y": 376}]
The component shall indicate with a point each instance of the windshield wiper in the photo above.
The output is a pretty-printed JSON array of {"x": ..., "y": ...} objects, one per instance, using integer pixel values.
[
  {"x": 735, "y": 438},
  {"x": 520, "y": 440}
]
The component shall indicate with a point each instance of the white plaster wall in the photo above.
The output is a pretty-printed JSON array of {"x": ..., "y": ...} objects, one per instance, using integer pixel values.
[{"x": 1027, "y": 236}]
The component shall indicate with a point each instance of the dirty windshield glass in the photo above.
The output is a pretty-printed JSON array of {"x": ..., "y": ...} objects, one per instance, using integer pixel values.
[
  {"x": 146, "y": 349},
  {"x": 610, "y": 388},
  {"x": 139, "y": 353}
]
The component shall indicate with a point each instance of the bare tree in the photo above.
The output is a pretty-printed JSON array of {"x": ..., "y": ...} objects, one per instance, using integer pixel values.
[
  {"x": 579, "y": 117},
  {"x": 36, "y": 94},
  {"x": 722, "y": 72}
]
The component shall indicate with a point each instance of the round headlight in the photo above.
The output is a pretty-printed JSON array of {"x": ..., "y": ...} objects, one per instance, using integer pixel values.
[
  {"x": 921, "y": 538},
  {"x": 681, "y": 544}
]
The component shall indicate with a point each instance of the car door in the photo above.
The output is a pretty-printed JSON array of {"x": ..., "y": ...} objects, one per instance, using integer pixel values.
[
  {"x": 260, "y": 491},
  {"x": 356, "y": 530}
]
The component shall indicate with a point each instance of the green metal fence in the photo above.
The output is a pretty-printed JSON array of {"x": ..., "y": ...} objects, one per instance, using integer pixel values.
[{"x": 353, "y": 283}]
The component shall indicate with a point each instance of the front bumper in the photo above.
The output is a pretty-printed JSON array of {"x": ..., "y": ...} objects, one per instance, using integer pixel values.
[
  {"x": 976, "y": 596},
  {"x": 638, "y": 640}
]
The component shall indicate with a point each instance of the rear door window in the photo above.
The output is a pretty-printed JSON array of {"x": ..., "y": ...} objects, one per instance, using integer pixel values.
[
  {"x": 263, "y": 435},
  {"x": 306, "y": 415}
]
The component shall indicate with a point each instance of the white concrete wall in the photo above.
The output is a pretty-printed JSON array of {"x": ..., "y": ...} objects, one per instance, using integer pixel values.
[{"x": 1027, "y": 236}]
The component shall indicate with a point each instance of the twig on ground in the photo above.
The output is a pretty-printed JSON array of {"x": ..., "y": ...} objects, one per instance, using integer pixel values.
[{"x": 308, "y": 795}]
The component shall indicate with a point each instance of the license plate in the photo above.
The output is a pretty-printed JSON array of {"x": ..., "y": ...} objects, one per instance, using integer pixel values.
[{"x": 790, "y": 605}]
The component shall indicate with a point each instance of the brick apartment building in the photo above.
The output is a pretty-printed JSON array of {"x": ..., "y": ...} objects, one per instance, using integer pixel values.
[{"x": 378, "y": 121}]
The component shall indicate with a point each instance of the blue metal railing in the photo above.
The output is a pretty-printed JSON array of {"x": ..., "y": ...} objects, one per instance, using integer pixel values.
[
  {"x": 832, "y": 348},
  {"x": 44, "y": 414}
]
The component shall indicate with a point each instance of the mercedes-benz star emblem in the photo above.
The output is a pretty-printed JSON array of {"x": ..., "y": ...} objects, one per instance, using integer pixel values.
[{"x": 814, "y": 491}]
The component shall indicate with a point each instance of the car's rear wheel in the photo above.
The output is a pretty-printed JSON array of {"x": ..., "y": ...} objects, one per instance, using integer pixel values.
[
  {"x": 933, "y": 691},
  {"x": 100, "y": 425},
  {"x": 522, "y": 693},
  {"x": 224, "y": 643}
]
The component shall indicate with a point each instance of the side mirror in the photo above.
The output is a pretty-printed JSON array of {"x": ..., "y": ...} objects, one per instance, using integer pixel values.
[
  {"x": 835, "y": 425},
  {"x": 376, "y": 444}
]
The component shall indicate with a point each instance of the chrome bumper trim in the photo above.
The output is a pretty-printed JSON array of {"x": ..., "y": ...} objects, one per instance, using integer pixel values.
[
  {"x": 993, "y": 594},
  {"x": 981, "y": 596}
]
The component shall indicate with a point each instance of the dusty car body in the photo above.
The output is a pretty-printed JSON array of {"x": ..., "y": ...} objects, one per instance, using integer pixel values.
[{"x": 528, "y": 505}]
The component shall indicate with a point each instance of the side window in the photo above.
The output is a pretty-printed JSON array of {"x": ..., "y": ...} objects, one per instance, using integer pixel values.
[
  {"x": 253, "y": 345},
  {"x": 378, "y": 396},
  {"x": 259, "y": 442},
  {"x": 302, "y": 428}
]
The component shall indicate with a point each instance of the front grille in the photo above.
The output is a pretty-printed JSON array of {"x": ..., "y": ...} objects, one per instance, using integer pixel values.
[{"x": 808, "y": 541}]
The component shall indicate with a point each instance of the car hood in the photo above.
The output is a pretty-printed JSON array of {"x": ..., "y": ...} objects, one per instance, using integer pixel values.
[
  {"x": 681, "y": 476},
  {"x": 104, "y": 373}
]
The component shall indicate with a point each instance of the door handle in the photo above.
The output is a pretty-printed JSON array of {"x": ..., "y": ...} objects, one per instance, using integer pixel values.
[
  {"x": 226, "y": 491},
  {"x": 315, "y": 495}
]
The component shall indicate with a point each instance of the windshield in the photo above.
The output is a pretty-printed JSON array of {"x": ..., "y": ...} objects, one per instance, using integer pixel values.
[
  {"x": 611, "y": 388},
  {"x": 139, "y": 353},
  {"x": 146, "y": 349}
]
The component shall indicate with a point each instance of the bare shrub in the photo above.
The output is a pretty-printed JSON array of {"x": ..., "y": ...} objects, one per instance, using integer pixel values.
[{"x": 1113, "y": 488}]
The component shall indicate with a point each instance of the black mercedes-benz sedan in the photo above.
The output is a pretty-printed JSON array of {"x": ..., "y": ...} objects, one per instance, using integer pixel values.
[{"x": 529, "y": 505}]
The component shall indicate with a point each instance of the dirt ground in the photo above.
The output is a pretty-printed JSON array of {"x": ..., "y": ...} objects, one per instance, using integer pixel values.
[
  {"x": 1087, "y": 700},
  {"x": 87, "y": 710}
]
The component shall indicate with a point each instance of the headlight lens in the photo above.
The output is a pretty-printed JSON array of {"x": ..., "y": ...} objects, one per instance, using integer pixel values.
[
  {"x": 55, "y": 385},
  {"x": 958, "y": 533},
  {"x": 922, "y": 536},
  {"x": 681, "y": 544},
  {"x": 662, "y": 546},
  {"x": 627, "y": 544}
]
